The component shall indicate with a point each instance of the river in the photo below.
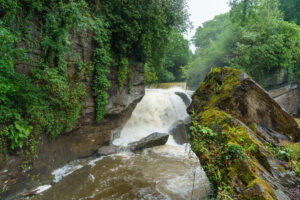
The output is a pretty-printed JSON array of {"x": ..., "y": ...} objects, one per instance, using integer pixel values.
[{"x": 171, "y": 171}]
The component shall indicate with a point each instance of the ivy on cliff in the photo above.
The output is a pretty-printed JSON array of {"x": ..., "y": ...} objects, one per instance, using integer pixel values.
[
  {"x": 38, "y": 92},
  {"x": 45, "y": 99},
  {"x": 102, "y": 60}
]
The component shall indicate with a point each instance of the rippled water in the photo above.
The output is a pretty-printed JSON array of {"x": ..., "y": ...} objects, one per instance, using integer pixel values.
[{"x": 170, "y": 171}]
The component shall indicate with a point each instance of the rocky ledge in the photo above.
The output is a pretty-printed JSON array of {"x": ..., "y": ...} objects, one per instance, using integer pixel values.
[{"x": 244, "y": 139}]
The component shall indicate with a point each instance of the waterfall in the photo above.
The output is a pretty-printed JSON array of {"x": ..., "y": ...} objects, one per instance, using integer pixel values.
[
  {"x": 166, "y": 172},
  {"x": 157, "y": 111}
]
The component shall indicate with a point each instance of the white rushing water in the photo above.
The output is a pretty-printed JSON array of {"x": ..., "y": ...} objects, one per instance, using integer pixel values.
[
  {"x": 170, "y": 171},
  {"x": 157, "y": 111}
]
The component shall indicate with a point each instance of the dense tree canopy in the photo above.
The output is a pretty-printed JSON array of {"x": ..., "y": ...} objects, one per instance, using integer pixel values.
[
  {"x": 291, "y": 9},
  {"x": 253, "y": 37},
  {"x": 177, "y": 55}
]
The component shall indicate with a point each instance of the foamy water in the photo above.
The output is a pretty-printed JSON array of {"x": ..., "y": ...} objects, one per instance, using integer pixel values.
[
  {"x": 170, "y": 171},
  {"x": 157, "y": 111}
]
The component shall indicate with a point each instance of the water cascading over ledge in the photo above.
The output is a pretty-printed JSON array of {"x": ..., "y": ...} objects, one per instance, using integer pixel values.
[{"x": 169, "y": 171}]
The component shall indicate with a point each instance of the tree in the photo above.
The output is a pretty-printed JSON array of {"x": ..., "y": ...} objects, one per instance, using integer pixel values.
[
  {"x": 255, "y": 39},
  {"x": 267, "y": 44},
  {"x": 291, "y": 9},
  {"x": 214, "y": 41}
]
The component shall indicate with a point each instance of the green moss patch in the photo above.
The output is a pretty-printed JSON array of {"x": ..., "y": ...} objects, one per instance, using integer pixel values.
[{"x": 229, "y": 151}]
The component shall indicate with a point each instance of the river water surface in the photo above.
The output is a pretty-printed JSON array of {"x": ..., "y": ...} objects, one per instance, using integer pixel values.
[{"x": 171, "y": 171}]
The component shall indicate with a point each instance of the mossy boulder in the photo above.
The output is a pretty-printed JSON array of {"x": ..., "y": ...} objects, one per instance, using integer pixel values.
[
  {"x": 230, "y": 114},
  {"x": 235, "y": 93}
]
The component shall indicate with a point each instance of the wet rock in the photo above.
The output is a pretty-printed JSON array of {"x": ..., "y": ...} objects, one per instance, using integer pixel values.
[
  {"x": 255, "y": 192},
  {"x": 285, "y": 177},
  {"x": 154, "y": 139},
  {"x": 244, "y": 100},
  {"x": 270, "y": 135},
  {"x": 280, "y": 195},
  {"x": 295, "y": 192},
  {"x": 108, "y": 150},
  {"x": 276, "y": 79},
  {"x": 187, "y": 121},
  {"x": 288, "y": 97},
  {"x": 185, "y": 98},
  {"x": 179, "y": 132},
  {"x": 243, "y": 116}
]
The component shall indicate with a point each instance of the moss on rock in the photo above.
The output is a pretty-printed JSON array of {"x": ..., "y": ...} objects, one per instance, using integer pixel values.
[{"x": 232, "y": 154}]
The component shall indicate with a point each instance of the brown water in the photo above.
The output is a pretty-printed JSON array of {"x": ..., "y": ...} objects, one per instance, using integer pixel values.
[
  {"x": 170, "y": 171},
  {"x": 181, "y": 85},
  {"x": 151, "y": 174}
]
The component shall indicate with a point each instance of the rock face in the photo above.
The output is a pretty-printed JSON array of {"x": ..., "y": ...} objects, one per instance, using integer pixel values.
[
  {"x": 275, "y": 79},
  {"x": 185, "y": 98},
  {"x": 154, "y": 139},
  {"x": 233, "y": 119},
  {"x": 288, "y": 96},
  {"x": 87, "y": 135},
  {"x": 179, "y": 132},
  {"x": 245, "y": 100}
]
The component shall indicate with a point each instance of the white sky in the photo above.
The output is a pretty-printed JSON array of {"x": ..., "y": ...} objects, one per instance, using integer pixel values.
[{"x": 204, "y": 10}]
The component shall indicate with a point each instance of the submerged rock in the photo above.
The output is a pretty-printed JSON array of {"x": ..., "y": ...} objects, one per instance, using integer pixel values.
[
  {"x": 179, "y": 132},
  {"x": 152, "y": 140},
  {"x": 233, "y": 119},
  {"x": 108, "y": 150}
]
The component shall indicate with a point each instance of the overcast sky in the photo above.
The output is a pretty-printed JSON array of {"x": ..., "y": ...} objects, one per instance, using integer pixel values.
[{"x": 204, "y": 10}]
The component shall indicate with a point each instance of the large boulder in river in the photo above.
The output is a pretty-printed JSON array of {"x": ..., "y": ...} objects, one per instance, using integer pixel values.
[
  {"x": 152, "y": 140},
  {"x": 236, "y": 131}
]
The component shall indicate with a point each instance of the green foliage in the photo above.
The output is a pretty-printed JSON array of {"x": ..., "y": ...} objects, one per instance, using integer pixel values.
[
  {"x": 133, "y": 30},
  {"x": 298, "y": 121},
  {"x": 122, "y": 72},
  {"x": 235, "y": 151},
  {"x": 287, "y": 152},
  {"x": 177, "y": 55},
  {"x": 253, "y": 37},
  {"x": 39, "y": 94},
  {"x": 45, "y": 98},
  {"x": 213, "y": 41},
  {"x": 130, "y": 77},
  {"x": 216, "y": 152},
  {"x": 102, "y": 60},
  {"x": 148, "y": 31},
  {"x": 17, "y": 133},
  {"x": 291, "y": 10},
  {"x": 150, "y": 74},
  {"x": 266, "y": 46}
]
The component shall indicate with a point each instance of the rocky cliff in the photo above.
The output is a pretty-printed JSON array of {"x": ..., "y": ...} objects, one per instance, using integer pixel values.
[
  {"x": 85, "y": 138},
  {"x": 86, "y": 135},
  {"x": 239, "y": 133}
]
